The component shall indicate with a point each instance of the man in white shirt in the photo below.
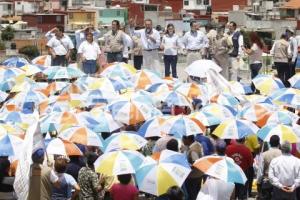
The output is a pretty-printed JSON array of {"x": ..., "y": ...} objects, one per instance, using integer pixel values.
[
  {"x": 60, "y": 47},
  {"x": 284, "y": 174},
  {"x": 128, "y": 44},
  {"x": 195, "y": 43},
  {"x": 294, "y": 51},
  {"x": 150, "y": 39},
  {"x": 80, "y": 35},
  {"x": 236, "y": 52},
  {"x": 89, "y": 52}
]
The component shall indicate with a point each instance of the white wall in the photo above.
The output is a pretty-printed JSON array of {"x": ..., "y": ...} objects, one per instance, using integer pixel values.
[
  {"x": 4, "y": 9},
  {"x": 25, "y": 7},
  {"x": 194, "y": 6}
]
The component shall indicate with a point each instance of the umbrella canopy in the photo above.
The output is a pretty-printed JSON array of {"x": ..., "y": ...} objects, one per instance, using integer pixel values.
[
  {"x": 181, "y": 125},
  {"x": 106, "y": 123},
  {"x": 267, "y": 83},
  {"x": 124, "y": 140},
  {"x": 31, "y": 69},
  {"x": 152, "y": 127},
  {"x": 93, "y": 97},
  {"x": 200, "y": 68},
  {"x": 289, "y": 96},
  {"x": 112, "y": 84},
  {"x": 3, "y": 96},
  {"x": 225, "y": 99},
  {"x": 206, "y": 118},
  {"x": 7, "y": 73},
  {"x": 156, "y": 177},
  {"x": 59, "y": 146},
  {"x": 221, "y": 167},
  {"x": 123, "y": 70},
  {"x": 42, "y": 60},
  {"x": 119, "y": 162},
  {"x": 221, "y": 111},
  {"x": 130, "y": 112},
  {"x": 15, "y": 62},
  {"x": 159, "y": 87},
  {"x": 57, "y": 72},
  {"x": 295, "y": 81},
  {"x": 278, "y": 117},
  {"x": 240, "y": 88},
  {"x": 235, "y": 129},
  {"x": 10, "y": 145},
  {"x": 82, "y": 135},
  {"x": 144, "y": 78},
  {"x": 191, "y": 90},
  {"x": 286, "y": 133},
  {"x": 173, "y": 98},
  {"x": 256, "y": 111}
]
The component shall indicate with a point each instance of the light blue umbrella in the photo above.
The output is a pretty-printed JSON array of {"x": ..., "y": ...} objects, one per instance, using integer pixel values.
[{"x": 15, "y": 62}]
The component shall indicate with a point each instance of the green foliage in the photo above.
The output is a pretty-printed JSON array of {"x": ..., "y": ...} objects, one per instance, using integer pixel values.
[
  {"x": 8, "y": 34},
  {"x": 30, "y": 51},
  {"x": 2, "y": 46}
]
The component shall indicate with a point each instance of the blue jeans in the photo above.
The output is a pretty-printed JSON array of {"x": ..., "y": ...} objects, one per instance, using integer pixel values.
[
  {"x": 59, "y": 61},
  {"x": 255, "y": 67},
  {"x": 170, "y": 62},
  {"x": 114, "y": 57},
  {"x": 89, "y": 66}
]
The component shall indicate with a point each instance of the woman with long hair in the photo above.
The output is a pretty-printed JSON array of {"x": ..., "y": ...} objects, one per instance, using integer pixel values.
[
  {"x": 170, "y": 44},
  {"x": 255, "y": 54}
]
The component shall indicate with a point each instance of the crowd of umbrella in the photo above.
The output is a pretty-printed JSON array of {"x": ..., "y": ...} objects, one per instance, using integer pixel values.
[{"x": 121, "y": 96}]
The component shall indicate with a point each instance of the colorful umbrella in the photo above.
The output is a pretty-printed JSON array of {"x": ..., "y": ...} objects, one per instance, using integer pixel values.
[
  {"x": 221, "y": 167},
  {"x": 289, "y": 96},
  {"x": 267, "y": 83},
  {"x": 295, "y": 81},
  {"x": 118, "y": 162},
  {"x": 221, "y": 111},
  {"x": 206, "y": 118},
  {"x": 10, "y": 145},
  {"x": 106, "y": 123},
  {"x": 54, "y": 87},
  {"x": 122, "y": 70},
  {"x": 181, "y": 125},
  {"x": 200, "y": 68},
  {"x": 152, "y": 127},
  {"x": 3, "y": 96},
  {"x": 156, "y": 177},
  {"x": 240, "y": 88},
  {"x": 225, "y": 99},
  {"x": 130, "y": 112},
  {"x": 286, "y": 133},
  {"x": 257, "y": 111},
  {"x": 278, "y": 117},
  {"x": 111, "y": 84},
  {"x": 10, "y": 72},
  {"x": 191, "y": 90},
  {"x": 174, "y": 98},
  {"x": 15, "y": 62},
  {"x": 235, "y": 129},
  {"x": 124, "y": 141},
  {"x": 93, "y": 97},
  {"x": 82, "y": 135},
  {"x": 63, "y": 72},
  {"x": 159, "y": 87},
  {"x": 42, "y": 60},
  {"x": 31, "y": 69},
  {"x": 59, "y": 146},
  {"x": 144, "y": 78}
]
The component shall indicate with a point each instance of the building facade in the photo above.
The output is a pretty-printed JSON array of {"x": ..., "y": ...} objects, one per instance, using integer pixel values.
[
  {"x": 78, "y": 19},
  {"x": 6, "y": 8}
]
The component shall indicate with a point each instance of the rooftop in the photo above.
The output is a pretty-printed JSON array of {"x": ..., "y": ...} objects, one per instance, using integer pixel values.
[{"x": 292, "y": 4}]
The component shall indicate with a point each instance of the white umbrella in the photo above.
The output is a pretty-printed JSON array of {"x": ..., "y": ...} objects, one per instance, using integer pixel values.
[{"x": 199, "y": 68}]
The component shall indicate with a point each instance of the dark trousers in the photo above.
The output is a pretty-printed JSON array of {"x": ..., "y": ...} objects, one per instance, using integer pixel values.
[
  {"x": 279, "y": 194},
  {"x": 255, "y": 67},
  {"x": 89, "y": 66},
  {"x": 125, "y": 60},
  {"x": 265, "y": 190},
  {"x": 283, "y": 71},
  {"x": 114, "y": 57},
  {"x": 250, "y": 176},
  {"x": 170, "y": 62},
  {"x": 193, "y": 186},
  {"x": 241, "y": 191},
  {"x": 292, "y": 68},
  {"x": 138, "y": 62},
  {"x": 59, "y": 61}
]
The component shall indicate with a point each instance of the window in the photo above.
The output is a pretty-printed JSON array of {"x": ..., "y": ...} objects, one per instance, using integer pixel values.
[
  {"x": 186, "y": 2},
  {"x": 40, "y": 19},
  {"x": 118, "y": 13},
  {"x": 58, "y": 18},
  {"x": 89, "y": 16},
  {"x": 206, "y": 2},
  {"x": 150, "y": 8},
  {"x": 290, "y": 13},
  {"x": 9, "y": 7},
  {"x": 71, "y": 16},
  {"x": 199, "y": 2}
]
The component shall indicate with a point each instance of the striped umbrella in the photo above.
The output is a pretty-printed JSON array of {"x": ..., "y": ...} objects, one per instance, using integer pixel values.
[
  {"x": 221, "y": 111},
  {"x": 256, "y": 111},
  {"x": 10, "y": 145},
  {"x": 62, "y": 147},
  {"x": 173, "y": 98},
  {"x": 15, "y": 61},
  {"x": 106, "y": 123},
  {"x": 206, "y": 118},
  {"x": 235, "y": 129},
  {"x": 122, "y": 70},
  {"x": 159, "y": 87},
  {"x": 240, "y": 88},
  {"x": 221, "y": 167},
  {"x": 278, "y": 117},
  {"x": 144, "y": 78},
  {"x": 118, "y": 162},
  {"x": 286, "y": 133},
  {"x": 152, "y": 127},
  {"x": 225, "y": 99},
  {"x": 295, "y": 81},
  {"x": 31, "y": 69},
  {"x": 191, "y": 90},
  {"x": 267, "y": 83},
  {"x": 44, "y": 60},
  {"x": 289, "y": 96}
]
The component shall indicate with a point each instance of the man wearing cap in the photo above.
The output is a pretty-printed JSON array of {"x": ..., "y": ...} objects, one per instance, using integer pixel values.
[
  {"x": 284, "y": 174},
  {"x": 40, "y": 186},
  {"x": 294, "y": 51},
  {"x": 195, "y": 42}
]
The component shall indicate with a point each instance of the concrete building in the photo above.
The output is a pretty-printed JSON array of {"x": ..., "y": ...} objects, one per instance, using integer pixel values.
[
  {"x": 28, "y": 6},
  {"x": 104, "y": 16},
  {"x": 199, "y": 7},
  {"x": 6, "y": 8},
  {"x": 78, "y": 19}
]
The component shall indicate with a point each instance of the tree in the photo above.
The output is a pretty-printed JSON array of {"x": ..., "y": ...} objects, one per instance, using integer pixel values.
[
  {"x": 30, "y": 51},
  {"x": 8, "y": 34}
]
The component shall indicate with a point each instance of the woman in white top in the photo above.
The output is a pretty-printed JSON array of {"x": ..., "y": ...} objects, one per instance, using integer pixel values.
[
  {"x": 170, "y": 44},
  {"x": 255, "y": 54},
  {"x": 89, "y": 53}
]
